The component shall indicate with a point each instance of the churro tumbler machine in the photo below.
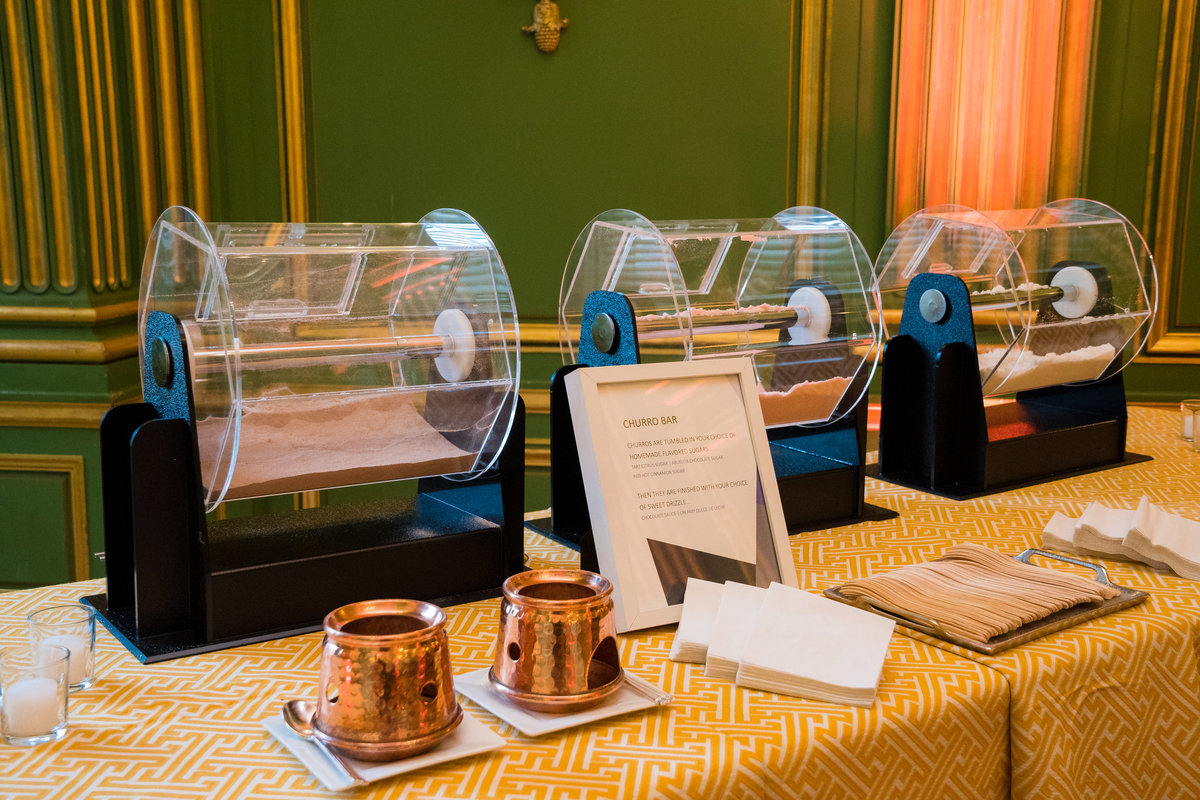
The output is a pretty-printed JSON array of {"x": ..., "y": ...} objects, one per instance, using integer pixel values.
[
  {"x": 794, "y": 293},
  {"x": 1014, "y": 327},
  {"x": 280, "y": 358}
]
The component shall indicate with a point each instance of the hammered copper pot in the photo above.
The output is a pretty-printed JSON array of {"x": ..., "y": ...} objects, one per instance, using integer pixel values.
[
  {"x": 557, "y": 645},
  {"x": 387, "y": 689}
]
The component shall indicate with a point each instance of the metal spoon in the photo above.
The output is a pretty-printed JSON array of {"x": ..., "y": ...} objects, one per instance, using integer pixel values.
[{"x": 298, "y": 715}]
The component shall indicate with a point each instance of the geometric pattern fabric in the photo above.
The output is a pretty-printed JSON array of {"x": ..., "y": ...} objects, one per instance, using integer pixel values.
[{"x": 1107, "y": 709}]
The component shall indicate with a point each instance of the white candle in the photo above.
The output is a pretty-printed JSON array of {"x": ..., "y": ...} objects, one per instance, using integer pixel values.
[
  {"x": 1187, "y": 424},
  {"x": 31, "y": 707},
  {"x": 78, "y": 647}
]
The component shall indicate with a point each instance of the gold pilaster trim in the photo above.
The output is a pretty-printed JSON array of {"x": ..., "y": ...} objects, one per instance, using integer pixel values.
[
  {"x": 72, "y": 351},
  {"x": 37, "y": 273},
  {"x": 1163, "y": 206},
  {"x": 52, "y": 314},
  {"x": 143, "y": 124},
  {"x": 168, "y": 100},
  {"x": 86, "y": 126},
  {"x": 292, "y": 111},
  {"x": 65, "y": 278},
  {"x": 76, "y": 498},
  {"x": 104, "y": 158},
  {"x": 10, "y": 256},
  {"x": 118, "y": 270},
  {"x": 193, "y": 73},
  {"x": 810, "y": 104},
  {"x": 51, "y": 415}
]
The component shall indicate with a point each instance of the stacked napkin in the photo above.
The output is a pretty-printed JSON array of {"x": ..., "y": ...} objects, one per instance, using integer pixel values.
[
  {"x": 783, "y": 640},
  {"x": 1147, "y": 534},
  {"x": 701, "y": 599},
  {"x": 731, "y": 632},
  {"x": 807, "y": 645}
]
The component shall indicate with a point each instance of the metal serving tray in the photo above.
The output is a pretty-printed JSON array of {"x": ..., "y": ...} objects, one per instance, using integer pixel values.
[{"x": 1026, "y": 633}]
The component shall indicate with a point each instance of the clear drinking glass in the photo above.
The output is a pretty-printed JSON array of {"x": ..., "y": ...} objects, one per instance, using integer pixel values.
[
  {"x": 1195, "y": 422},
  {"x": 33, "y": 693},
  {"x": 73, "y": 627},
  {"x": 1187, "y": 410}
]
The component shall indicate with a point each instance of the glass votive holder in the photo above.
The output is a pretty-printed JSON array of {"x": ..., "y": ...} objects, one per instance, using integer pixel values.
[
  {"x": 1196, "y": 429},
  {"x": 73, "y": 627},
  {"x": 33, "y": 693},
  {"x": 1187, "y": 411}
]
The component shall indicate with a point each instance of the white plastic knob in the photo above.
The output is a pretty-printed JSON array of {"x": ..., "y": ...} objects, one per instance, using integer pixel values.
[
  {"x": 813, "y": 316},
  {"x": 458, "y": 345},
  {"x": 1080, "y": 291}
]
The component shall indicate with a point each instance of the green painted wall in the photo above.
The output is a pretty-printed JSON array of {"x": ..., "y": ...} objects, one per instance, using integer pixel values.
[{"x": 674, "y": 109}]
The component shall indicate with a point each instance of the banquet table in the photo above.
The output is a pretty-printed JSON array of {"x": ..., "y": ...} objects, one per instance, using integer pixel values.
[{"x": 1106, "y": 709}]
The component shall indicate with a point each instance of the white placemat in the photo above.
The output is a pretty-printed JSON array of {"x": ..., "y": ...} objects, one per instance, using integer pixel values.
[
  {"x": 635, "y": 694},
  {"x": 470, "y": 738}
]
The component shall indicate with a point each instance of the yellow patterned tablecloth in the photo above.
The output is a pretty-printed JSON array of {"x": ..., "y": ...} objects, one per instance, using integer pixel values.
[
  {"x": 1108, "y": 709},
  {"x": 193, "y": 728}
]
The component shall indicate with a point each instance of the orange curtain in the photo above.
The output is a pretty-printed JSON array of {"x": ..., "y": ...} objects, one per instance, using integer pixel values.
[{"x": 990, "y": 100}]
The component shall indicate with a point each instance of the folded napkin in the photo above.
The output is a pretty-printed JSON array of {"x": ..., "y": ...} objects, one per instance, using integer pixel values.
[
  {"x": 1160, "y": 536},
  {"x": 976, "y": 593},
  {"x": 1060, "y": 533},
  {"x": 1128, "y": 535},
  {"x": 1101, "y": 531},
  {"x": 735, "y": 617},
  {"x": 701, "y": 600},
  {"x": 810, "y": 646}
]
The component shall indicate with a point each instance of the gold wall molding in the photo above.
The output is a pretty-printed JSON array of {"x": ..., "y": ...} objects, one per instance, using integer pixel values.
[
  {"x": 1167, "y": 191},
  {"x": 51, "y": 415},
  {"x": 537, "y": 452},
  {"x": 73, "y": 351},
  {"x": 539, "y": 337},
  {"x": 537, "y": 401},
  {"x": 53, "y": 314},
  {"x": 76, "y": 499}
]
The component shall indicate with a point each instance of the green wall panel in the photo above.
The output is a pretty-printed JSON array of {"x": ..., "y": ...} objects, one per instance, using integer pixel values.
[
  {"x": 36, "y": 529},
  {"x": 242, "y": 110},
  {"x": 854, "y": 164},
  {"x": 1121, "y": 127},
  {"x": 674, "y": 109},
  {"x": 35, "y": 526}
]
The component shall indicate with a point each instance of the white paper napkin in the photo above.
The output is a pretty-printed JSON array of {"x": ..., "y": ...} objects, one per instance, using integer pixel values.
[
  {"x": 1059, "y": 533},
  {"x": 1102, "y": 531},
  {"x": 735, "y": 617},
  {"x": 701, "y": 601},
  {"x": 470, "y": 738},
  {"x": 808, "y": 645},
  {"x": 1161, "y": 536}
]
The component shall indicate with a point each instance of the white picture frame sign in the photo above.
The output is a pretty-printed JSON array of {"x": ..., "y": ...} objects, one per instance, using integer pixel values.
[{"x": 679, "y": 481}]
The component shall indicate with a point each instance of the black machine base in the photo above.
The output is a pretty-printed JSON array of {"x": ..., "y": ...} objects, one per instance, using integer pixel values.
[
  {"x": 1129, "y": 459},
  {"x": 938, "y": 435},
  {"x": 337, "y": 555},
  {"x": 180, "y": 584}
]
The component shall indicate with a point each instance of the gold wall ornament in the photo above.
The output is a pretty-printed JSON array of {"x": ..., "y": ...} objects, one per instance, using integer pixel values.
[{"x": 548, "y": 25}]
